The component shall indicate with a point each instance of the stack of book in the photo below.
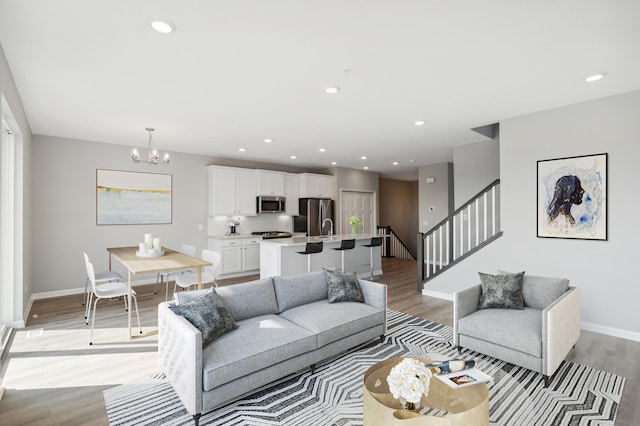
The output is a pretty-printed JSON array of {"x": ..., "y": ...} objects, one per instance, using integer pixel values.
[{"x": 458, "y": 373}]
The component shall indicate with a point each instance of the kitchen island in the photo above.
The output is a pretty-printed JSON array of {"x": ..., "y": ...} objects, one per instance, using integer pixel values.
[{"x": 279, "y": 256}]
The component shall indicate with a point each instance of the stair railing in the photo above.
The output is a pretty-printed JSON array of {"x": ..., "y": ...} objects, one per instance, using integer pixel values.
[
  {"x": 392, "y": 244},
  {"x": 472, "y": 226}
]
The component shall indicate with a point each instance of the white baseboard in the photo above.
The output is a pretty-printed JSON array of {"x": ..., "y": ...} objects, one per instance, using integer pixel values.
[
  {"x": 611, "y": 331},
  {"x": 438, "y": 294}
]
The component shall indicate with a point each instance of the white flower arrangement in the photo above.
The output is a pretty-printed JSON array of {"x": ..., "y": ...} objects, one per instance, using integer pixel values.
[
  {"x": 355, "y": 220},
  {"x": 409, "y": 380}
]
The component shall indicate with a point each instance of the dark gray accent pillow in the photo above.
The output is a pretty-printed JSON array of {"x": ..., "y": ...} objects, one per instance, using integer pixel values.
[
  {"x": 208, "y": 314},
  {"x": 343, "y": 287},
  {"x": 501, "y": 291}
]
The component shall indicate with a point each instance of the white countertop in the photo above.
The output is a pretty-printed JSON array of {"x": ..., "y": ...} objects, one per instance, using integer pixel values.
[
  {"x": 233, "y": 237},
  {"x": 299, "y": 241}
]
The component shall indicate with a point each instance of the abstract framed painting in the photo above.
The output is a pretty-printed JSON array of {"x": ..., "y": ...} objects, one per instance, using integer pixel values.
[
  {"x": 133, "y": 198},
  {"x": 572, "y": 197}
]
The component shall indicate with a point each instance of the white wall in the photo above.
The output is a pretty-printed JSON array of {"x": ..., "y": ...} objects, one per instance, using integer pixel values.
[
  {"x": 475, "y": 165},
  {"x": 605, "y": 271},
  {"x": 64, "y": 209},
  {"x": 435, "y": 199}
]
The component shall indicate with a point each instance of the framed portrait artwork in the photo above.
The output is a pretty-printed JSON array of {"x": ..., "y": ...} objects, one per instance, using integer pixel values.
[
  {"x": 132, "y": 198},
  {"x": 572, "y": 197}
]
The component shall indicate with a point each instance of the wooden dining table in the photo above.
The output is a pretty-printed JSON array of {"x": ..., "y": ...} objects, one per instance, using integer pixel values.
[{"x": 171, "y": 260}]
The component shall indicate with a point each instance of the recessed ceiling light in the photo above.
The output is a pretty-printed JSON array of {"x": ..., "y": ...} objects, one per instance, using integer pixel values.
[
  {"x": 364, "y": 157},
  {"x": 333, "y": 163},
  {"x": 412, "y": 161},
  {"x": 595, "y": 77},
  {"x": 163, "y": 26},
  {"x": 293, "y": 157},
  {"x": 321, "y": 149},
  {"x": 332, "y": 90},
  {"x": 242, "y": 149},
  {"x": 395, "y": 163},
  {"x": 419, "y": 122},
  {"x": 267, "y": 140},
  {"x": 366, "y": 168}
]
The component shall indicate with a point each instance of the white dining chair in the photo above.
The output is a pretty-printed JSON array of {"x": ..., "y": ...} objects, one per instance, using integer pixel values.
[
  {"x": 100, "y": 277},
  {"x": 209, "y": 273},
  {"x": 187, "y": 249},
  {"x": 107, "y": 291}
]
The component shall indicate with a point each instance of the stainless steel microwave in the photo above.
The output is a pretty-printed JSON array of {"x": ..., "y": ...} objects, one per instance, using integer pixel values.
[{"x": 270, "y": 204}]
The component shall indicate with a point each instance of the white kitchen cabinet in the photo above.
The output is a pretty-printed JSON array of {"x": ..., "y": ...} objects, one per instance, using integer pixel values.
[
  {"x": 251, "y": 254},
  {"x": 317, "y": 186},
  {"x": 270, "y": 182},
  {"x": 232, "y": 191},
  {"x": 292, "y": 194},
  {"x": 238, "y": 255}
]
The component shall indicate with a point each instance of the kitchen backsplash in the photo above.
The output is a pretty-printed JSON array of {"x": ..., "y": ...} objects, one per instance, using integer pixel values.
[{"x": 248, "y": 224}]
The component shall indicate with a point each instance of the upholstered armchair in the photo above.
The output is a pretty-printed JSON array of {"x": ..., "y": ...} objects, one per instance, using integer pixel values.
[{"x": 537, "y": 337}]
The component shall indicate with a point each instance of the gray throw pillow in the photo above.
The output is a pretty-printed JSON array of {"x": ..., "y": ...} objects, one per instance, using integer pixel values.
[
  {"x": 343, "y": 287},
  {"x": 208, "y": 314},
  {"x": 501, "y": 291}
]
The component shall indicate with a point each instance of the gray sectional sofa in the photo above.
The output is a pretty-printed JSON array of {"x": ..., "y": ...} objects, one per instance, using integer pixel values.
[
  {"x": 286, "y": 324},
  {"x": 538, "y": 337}
]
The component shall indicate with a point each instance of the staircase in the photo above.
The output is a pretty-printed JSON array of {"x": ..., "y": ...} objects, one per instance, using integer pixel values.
[
  {"x": 392, "y": 245},
  {"x": 471, "y": 227}
]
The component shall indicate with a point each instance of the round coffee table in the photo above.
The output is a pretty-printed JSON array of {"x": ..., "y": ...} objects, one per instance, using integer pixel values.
[{"x": 465, "y": 406}]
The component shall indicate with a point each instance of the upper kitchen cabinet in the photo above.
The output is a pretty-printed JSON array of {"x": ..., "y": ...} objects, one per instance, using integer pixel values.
[
  {"x": 292, "y": 194},
  {"x": 270, "y": 182},
  {"x": 317, "y": 186},
  {"x": 232, "y": 191}
]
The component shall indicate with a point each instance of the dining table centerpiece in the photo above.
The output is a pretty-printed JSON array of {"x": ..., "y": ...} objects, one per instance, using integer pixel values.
[
  {"x": 354, "y": 221},
  {"x": 408, "y": 381}
]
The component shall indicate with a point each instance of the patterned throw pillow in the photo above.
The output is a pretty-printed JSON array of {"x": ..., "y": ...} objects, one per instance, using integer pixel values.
[
  {"x": 343, "y": 287},
  {"x": 501, "y": 291},
  {"x": 208, "y": 314}
]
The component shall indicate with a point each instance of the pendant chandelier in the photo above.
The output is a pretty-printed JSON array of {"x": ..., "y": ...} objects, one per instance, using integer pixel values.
[{"x": 153, "y": 157}]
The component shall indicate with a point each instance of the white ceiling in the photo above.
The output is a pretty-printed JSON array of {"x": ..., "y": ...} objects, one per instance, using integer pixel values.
[{"x": 236, "y": 72}]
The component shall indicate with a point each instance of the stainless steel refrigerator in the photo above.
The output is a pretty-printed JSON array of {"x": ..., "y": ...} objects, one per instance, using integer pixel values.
[{"x": 313, "y": 213}]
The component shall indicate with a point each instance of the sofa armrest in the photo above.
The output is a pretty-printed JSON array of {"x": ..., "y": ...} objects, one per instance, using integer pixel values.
[
  {"x": 180, "y": 356},
  {"x": 560, "y": 329},
  {"x": 375, "y": 294},
  {"x": 465, "y": 302}
]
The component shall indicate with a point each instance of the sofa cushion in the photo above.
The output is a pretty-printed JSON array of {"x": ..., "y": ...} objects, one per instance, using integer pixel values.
[
  {"x": 519, "y": 330},
  {"x": 296, "y": 290},
  {"x": 249, "y": 299},
  {"x": 334, "y": 321},
  {"x": 343, "y": 287},
  {"x": 540, "y": 292},
  {"x": 501, "y": 291},
  {"x": 208, "y": 314},
  {"x": 181, "y": 297},
  {"x": 273, "y": 339}
]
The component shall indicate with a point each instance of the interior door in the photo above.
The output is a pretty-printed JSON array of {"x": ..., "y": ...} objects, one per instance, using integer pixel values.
[{"x": 361, "y": 204}]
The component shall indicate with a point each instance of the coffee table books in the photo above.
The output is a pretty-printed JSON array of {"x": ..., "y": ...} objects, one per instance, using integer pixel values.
[{"x": 467, "y": 377}]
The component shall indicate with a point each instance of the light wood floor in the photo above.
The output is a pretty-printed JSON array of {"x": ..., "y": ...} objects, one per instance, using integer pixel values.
[{"x": 53, "y": 377}]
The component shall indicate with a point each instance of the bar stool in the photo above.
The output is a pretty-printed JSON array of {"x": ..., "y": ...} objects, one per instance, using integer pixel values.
[
  {"x": 375, "y": 242},
  {"x": 345, "y": 245},
  {"x": 311, "y": 248}
]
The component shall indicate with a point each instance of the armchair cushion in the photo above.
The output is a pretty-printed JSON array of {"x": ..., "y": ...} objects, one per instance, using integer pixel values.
[
  {"x": 208, "y": 314},
  {"x": 519, "y": 330},
  {"x": 501, "y": 291},
  {"x": 343, "y": 287},
  {"x": 540, "y": 292}
]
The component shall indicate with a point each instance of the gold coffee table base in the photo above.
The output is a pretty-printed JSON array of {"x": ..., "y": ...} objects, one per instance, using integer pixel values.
[{"x": 466, "y": 406}]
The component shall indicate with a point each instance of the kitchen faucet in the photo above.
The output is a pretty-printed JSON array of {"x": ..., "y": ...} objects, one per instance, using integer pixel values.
[{"x": 331, "y": 229}]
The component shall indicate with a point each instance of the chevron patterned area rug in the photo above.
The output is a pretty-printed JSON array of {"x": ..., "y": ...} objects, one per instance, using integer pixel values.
[{"x": 578, "y": 395}]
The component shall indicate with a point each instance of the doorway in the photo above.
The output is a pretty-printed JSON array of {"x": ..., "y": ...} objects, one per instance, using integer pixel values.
[{"x": 361, "y": 204}]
